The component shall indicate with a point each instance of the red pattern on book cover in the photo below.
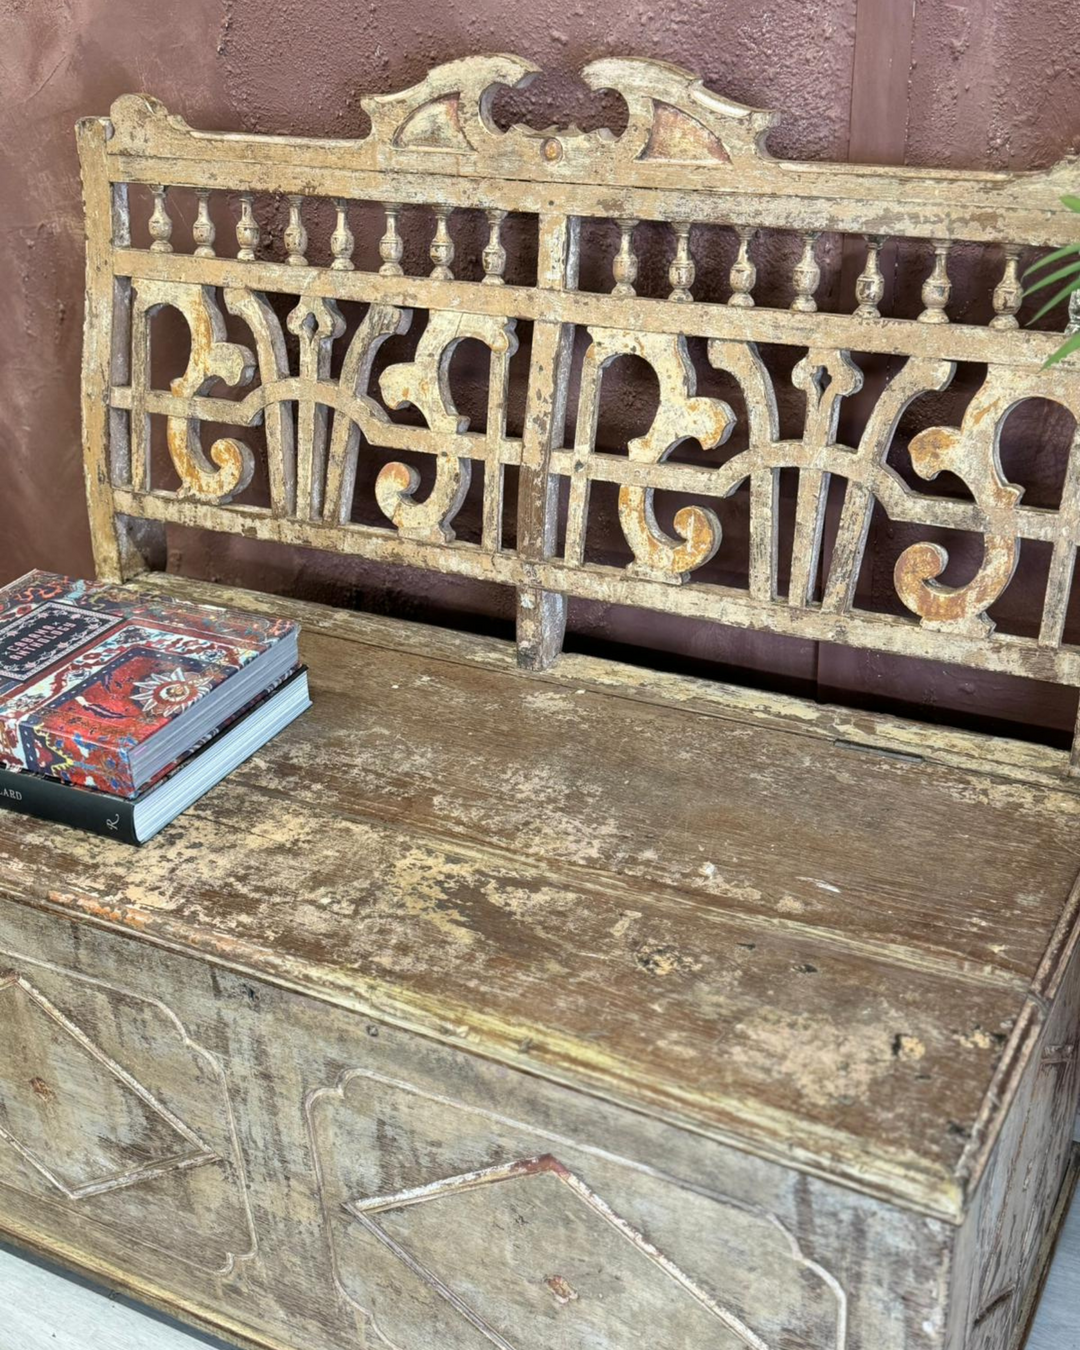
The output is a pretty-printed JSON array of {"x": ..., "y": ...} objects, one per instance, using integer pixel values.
[{"x": 89, "y": 670}]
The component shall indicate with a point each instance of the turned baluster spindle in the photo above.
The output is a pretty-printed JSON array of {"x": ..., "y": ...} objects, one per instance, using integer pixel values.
[
  {"x": 391, "y": 247},
  {"x": 160, "y": 223},
  {"x": 682, "y": 271},
  {"x": 247, "y": 230},
  {"x": 202, "y": 231},
  {"x": 806, "y": 276},
  {"x": 870, "y": 286},
  {"x": 743, "y": 275},
  {"x": 441, "y": 251},
  {"x": 1008, "y": 293},
  {"x": 936, "y": 287},
  {"x": 1073, "y": 326},
  {"x": 625, "y": 266},
  {"x": 342, "y": 241},
  {"x": 295, "y": 235},
  {"x": 494, "y": 255}
]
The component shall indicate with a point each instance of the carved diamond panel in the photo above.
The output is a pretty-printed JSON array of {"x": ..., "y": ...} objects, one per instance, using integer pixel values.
[
  {"x": 456, "y": 1227},
  {"x": 115, "y": 1122},
  {"x": 75, "y": 1114}
]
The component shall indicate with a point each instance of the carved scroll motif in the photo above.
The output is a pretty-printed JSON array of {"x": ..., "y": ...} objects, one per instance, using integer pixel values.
[
  {"x": 972, "y": 453},
  {"x": 681, "y": 416},
  {"x": 255, "y": 310},
  {"x": 687, "y": 160},
  {"x": 743, "y": 361},
  {"x": 230, "y": 466},
  {"x": 379, "y": 323},
  {"x": 425, "y": 383},
  {"x": 825, "y": 377},
  {"x": 870, "y": 475},
  {"x": 311, "y": 473}
]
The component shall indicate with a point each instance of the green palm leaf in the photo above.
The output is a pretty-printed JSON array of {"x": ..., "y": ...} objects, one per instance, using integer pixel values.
[
  {"x": 1066, "y": 349},
  {"x": 1071, "y": 270},
  {"x": 1071, "y": 287},
  {"x": 1063, "y": 294},
  {"x": 1065, "y": 251}
]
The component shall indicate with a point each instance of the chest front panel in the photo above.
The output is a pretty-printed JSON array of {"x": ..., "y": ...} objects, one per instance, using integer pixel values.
[{"x": 302, "y": 1173}]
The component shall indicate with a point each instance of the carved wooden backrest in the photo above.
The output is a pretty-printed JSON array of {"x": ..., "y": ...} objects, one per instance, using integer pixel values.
[{"x": 688, "y": 159}]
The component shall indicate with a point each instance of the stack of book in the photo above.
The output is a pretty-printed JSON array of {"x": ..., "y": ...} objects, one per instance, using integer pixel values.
[{"x": 119, "y": 708}]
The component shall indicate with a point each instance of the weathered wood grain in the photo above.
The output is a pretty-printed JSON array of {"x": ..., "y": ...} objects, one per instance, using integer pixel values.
[
  {"x": 852, "y": 728},
  {"x": 337, "y": 1115},
  {"x": 394, "y": 847}
]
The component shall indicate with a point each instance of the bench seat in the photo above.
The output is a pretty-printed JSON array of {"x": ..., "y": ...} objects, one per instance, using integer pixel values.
[{"x": 826, "y": 940}]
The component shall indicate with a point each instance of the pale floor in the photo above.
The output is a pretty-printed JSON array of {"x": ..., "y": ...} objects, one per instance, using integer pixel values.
[{"x": 43, "y": 1310}]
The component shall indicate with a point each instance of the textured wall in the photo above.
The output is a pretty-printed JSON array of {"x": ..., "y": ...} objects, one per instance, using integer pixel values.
[{"x": 885, "y": 81}]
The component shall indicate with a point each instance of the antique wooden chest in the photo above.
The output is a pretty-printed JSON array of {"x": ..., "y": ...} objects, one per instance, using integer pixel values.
[{"x": 531, "y": 1000}]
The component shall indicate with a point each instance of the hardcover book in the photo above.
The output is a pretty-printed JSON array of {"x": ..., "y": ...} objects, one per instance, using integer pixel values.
[
  {"x": 105, "y": 686},
  {"x": 134, "y": 820}
]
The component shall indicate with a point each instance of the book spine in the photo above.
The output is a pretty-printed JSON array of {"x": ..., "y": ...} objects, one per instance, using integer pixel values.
[{"x": 98, "y": 812}]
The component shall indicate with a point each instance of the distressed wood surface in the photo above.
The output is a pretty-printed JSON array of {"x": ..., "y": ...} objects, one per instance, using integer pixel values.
[
  {"x": 688, "y": 159},
  {"x": 50, "y": 1311},
  {"x": 376, "y": 1164},
  {"x": 1027, "y": 761},
  {"x": 354, "y": 1174},
  {"x": 1056, "y": 1325},
  {"x": 554, "y": 909}
]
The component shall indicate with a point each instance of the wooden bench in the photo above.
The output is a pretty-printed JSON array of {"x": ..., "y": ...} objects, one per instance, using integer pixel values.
[{"x": 530, "y": 1000}]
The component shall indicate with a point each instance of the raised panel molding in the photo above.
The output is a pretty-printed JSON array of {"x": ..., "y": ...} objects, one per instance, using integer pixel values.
[
  {"x": 111, "y": 1111},
  {"x": 538, "y": 1243},
  {"x": 72, "y": 1112}
]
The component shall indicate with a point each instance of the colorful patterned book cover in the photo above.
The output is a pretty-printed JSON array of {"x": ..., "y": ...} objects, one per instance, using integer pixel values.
[{"x": 89, "y": 670}]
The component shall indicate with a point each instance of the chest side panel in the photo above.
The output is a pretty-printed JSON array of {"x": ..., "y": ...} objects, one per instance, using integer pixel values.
[{"x": 1001, "y": 1258}]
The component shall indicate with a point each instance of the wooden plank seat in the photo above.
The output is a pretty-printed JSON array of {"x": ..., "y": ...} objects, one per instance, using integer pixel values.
[
  {"x": 730, "y": 959},
  {"x": 520, "y": 998},
  {"x": 732, "y": 964}
]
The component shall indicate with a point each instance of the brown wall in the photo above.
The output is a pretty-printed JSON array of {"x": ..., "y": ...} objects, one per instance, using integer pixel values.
[{"x": 975, "y": 84}]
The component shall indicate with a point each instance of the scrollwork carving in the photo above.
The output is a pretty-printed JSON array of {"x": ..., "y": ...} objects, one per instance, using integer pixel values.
[
  {"x": 687, "y": 160},
  {"x": 680, "y": 416},
  {"x": 256, "y": 311},
  {"x": 425, "y": 383},
  {"x": 917, "y": 376},
  {"x": 826, "y": 378},
  {"x": 672, "y": 118},
  {"x": 317, "y": 322},
  {"x": 972, "y": 453},
  {"x": 380, "y": 322},
  {"x": 230, "y": 465}
]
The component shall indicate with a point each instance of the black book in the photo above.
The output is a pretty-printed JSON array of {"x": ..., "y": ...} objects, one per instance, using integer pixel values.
[{"x": 134, "y": 820}]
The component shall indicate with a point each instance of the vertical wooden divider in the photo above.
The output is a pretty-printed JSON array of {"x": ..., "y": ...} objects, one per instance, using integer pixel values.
[{"x": 541, "y": 614}]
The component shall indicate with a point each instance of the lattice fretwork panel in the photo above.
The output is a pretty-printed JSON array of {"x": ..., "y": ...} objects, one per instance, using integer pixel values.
[{"x": 305, "y": 397}]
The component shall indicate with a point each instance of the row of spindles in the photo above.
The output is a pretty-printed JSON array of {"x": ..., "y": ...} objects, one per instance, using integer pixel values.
[
  {"x": 806, "y": 274},
  {"x": 806, "y": 277},
  {"x": 342, "y": 240}
]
